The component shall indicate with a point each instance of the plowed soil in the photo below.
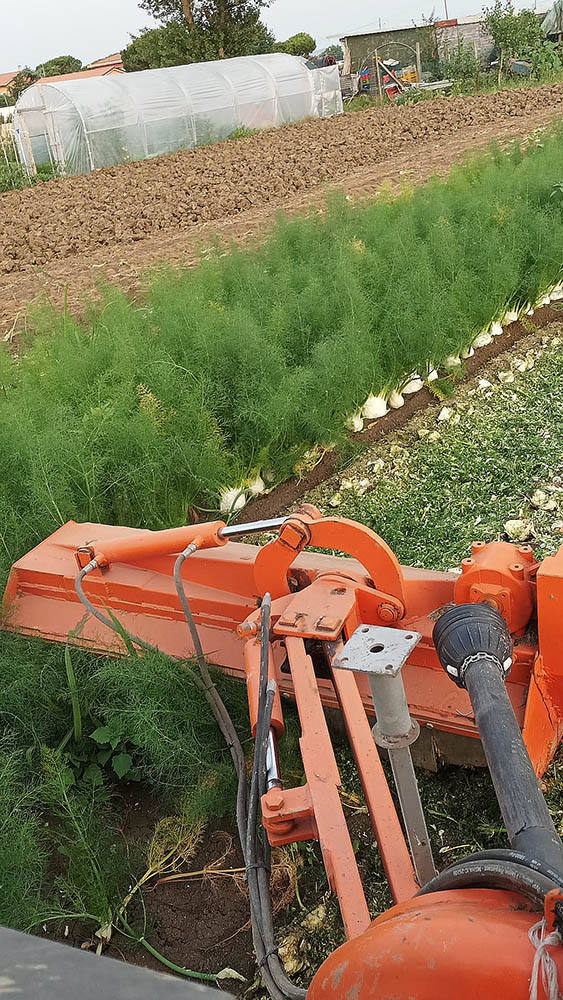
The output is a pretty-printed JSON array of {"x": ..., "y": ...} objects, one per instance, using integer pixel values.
[{"x": 119, "y": 221}]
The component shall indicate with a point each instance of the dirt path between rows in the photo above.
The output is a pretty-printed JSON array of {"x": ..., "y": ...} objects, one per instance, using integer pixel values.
[{"x": 126, "y": 262}]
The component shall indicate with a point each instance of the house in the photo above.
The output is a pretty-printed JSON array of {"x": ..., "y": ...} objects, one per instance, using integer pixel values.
[
  {"x": 6, "y": 81},
  {"x": 82, "y": 75},
  {"x": 437, "y": 41},
  {"x": 109, "y": 62}
]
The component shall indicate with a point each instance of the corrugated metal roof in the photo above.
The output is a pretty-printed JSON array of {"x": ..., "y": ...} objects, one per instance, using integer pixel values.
[{"x": 470, "y": 19}]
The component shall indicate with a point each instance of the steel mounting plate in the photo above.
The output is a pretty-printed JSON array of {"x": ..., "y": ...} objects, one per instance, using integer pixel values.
[{"x": 374, "y": 649}]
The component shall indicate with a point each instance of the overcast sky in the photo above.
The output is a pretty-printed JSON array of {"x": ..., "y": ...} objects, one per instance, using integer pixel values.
[{"x": 32, "y": 31}]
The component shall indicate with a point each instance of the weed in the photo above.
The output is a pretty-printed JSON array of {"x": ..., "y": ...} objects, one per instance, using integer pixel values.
[{"x": 22, "y": 843}]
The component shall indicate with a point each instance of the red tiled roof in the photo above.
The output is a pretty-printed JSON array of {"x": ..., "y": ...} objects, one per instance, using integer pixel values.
[
  {"x": 6, "y": 78},
  {"x": 113, "y": 60},
  {"x": 83, "y": 75}
]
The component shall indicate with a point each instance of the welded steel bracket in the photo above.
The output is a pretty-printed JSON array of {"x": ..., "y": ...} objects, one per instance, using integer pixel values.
[
  {"x": 374, "y": 649},
  {"x": 381, "y": 653}
]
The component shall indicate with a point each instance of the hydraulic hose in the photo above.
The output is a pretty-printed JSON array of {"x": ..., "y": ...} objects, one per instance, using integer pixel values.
[
  {"x": 502, "y": 854},
  {"x": 275, "y": 979},
  {"x": 492, "y": 875}
]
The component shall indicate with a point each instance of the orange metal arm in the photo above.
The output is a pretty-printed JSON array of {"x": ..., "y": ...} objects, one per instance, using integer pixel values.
[
  {"x": 142, "y": 544},
  {"x": 339, "y": 533}
]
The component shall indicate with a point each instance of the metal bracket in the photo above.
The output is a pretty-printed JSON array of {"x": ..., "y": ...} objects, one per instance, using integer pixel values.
[{"x": 374, "y": 649}]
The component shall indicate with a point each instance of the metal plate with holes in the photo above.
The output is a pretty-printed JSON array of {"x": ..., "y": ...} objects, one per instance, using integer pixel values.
[{"x": 373, "y": 649}]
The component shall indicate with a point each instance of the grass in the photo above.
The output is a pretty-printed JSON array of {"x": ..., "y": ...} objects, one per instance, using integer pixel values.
[
  {"x": 242, "y": 364},
  {"x": 14, "y": 175},
  {"x": 434, "y": 497}
]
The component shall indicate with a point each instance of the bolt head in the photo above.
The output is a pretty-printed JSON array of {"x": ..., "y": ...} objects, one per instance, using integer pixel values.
[{"x": 275, "y": 798}]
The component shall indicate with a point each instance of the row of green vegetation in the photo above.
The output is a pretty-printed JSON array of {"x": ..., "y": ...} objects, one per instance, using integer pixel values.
[
  {"x": 242, "y": 364},
  {"x": 74, "y": 728}
]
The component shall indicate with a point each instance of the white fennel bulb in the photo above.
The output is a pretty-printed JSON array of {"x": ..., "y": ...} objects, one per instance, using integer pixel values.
[
  {"x": 374, "y": 407},
  {"x": 355, "y": 422},
  {"x": 414, "y": 384},
  {"x": 432, "y": 375},
  {"x": 496, "y": 329},
  {"x": 467, "y": 352},
  {"x": 396, "y": 400},
  {"x": 232, "y": 499},
  {"x": 482, "y": 339},
  {"x": 257, "y": 486},
  {"x": 509, "y": 317}
]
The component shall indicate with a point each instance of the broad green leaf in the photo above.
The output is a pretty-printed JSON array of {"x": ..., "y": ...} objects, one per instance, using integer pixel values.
[
  {"x": 121, "y": 764},
  {"x": 101, "y": 735}
]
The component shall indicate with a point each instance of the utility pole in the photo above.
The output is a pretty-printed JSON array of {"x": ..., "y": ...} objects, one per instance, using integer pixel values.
[{"x": 446, "y": 9}]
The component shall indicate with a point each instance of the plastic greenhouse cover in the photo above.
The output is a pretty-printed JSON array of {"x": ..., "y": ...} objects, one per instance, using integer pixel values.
[
  {"x": 553, "y": 21},
  {"x": 109, "y": 120}
]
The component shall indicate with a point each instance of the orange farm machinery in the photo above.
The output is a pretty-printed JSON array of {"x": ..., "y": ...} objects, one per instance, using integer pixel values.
[{"x": 476, "y": 655}]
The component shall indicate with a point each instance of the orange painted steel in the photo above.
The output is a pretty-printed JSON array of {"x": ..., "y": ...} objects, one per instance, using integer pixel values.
[
  {"x": 144, "y": 544},
  {"x": 323, "y": 782},
  {"x": 275, "y": 559},
  {"x": 252, "y": 671},
  {"x": 388, "y": 831},
  {"x": 424, "y": 948},
  {"x": 503, "y": 576},
  {"x": 221, "y": 586},
  {"x": 465, "y": 944}
]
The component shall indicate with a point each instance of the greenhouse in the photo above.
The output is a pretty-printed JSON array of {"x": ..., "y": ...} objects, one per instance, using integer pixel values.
[{"x": 82, "y": 125}]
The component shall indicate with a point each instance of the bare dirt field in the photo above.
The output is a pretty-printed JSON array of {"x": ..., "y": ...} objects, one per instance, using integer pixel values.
[{"x": 117, "y": 222}]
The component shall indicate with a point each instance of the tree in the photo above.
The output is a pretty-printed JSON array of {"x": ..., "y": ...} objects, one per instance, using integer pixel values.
[
  {"x": 513, "y": 34},
  {"x": 301, "y": 44},
  {"x": 59, "y": 65},
  {"x": 333, "y": 50},
  {"x": 176, "y": 45},
  {"x": 21, "y": 82},
  {"x": 223, "y": 27},
  {"x": 166, "y": 46}
]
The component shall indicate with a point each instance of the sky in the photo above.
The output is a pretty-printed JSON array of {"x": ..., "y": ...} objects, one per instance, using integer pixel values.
[{"x": 33, "y": 30}]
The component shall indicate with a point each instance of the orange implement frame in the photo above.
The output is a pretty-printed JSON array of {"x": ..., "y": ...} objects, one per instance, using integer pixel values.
[
  {"x": 224, "y": 586},
  {"x": 318, "y": 602}
]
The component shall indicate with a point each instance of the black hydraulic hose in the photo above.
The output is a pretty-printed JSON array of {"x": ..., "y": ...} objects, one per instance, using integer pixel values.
[
  {"x": 254, "y": 863},
  {"x": 214, "y": 699},
  {"x": 475, "y": 648},
  {"x": 258, "y": 778},
  {"x": 515, "y": 857},
  {"x": 492, "y": 875},
  {"x": 276, "y": 981}
]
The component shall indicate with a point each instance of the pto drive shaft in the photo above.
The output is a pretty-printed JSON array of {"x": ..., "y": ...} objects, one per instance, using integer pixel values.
[{"x": 475, "y": 648}]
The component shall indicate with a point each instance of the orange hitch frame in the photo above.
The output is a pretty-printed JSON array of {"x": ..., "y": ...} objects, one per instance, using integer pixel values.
[{"x": 318, "y": 602}]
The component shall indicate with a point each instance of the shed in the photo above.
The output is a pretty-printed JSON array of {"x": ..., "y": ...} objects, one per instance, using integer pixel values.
[{"x": 85, "y": 124}]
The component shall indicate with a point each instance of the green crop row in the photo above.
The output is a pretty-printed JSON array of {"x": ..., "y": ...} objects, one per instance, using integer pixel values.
[{"x": 234, "y": 369}]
